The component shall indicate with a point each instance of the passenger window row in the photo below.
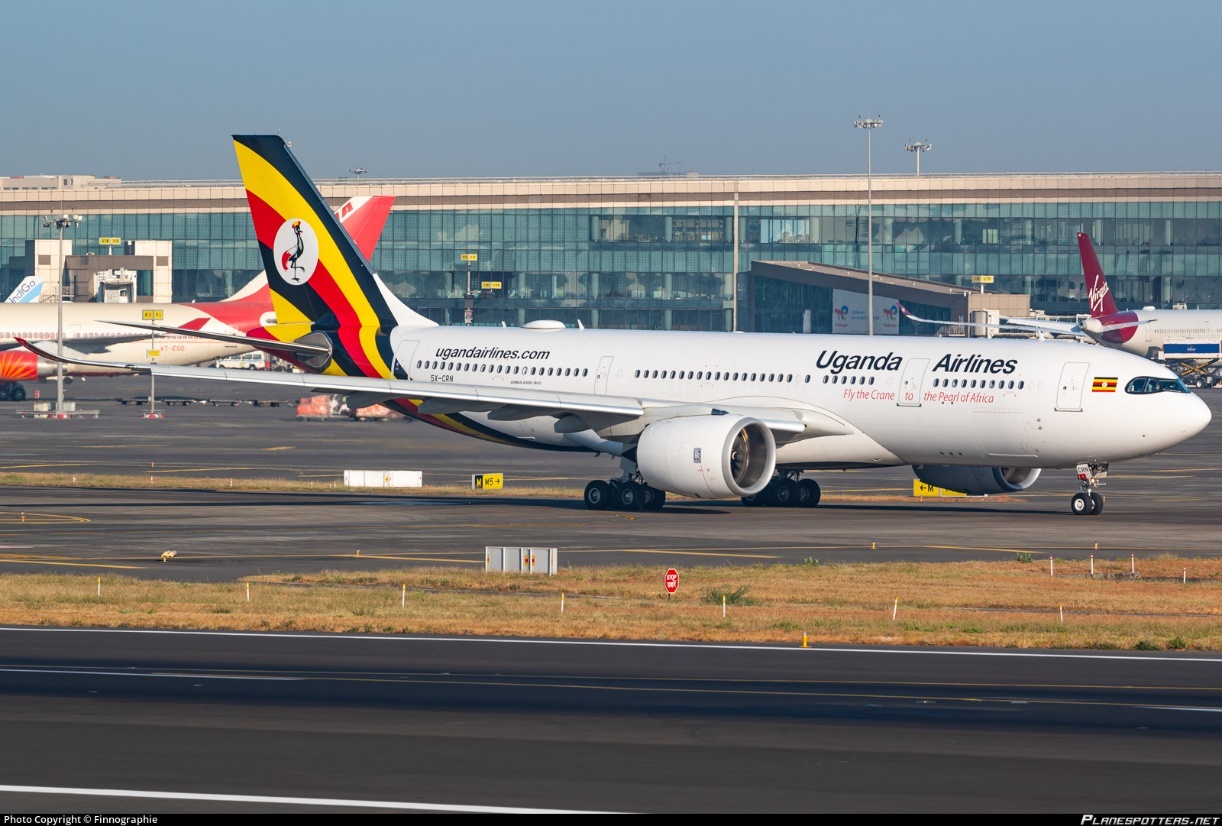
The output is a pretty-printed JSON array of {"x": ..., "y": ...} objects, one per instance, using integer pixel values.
[
  {"x": 982, "y": 384},
  {"x": 516, "y": 369},
  {"x": 713, "y": 375}
]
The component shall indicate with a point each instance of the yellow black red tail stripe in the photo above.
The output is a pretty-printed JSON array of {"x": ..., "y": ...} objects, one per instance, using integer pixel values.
[{"x": 318, "y": 278}]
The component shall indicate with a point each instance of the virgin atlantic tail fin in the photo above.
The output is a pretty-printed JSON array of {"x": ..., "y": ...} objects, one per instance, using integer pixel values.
[{"x": 1097, "y": 291}]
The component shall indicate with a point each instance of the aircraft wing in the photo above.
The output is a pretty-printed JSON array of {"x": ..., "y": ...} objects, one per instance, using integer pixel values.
[
  {"x": 589, "y": 411},
  {"x": 90, "y": 345},
  {"x": 1064, "y": 328}
]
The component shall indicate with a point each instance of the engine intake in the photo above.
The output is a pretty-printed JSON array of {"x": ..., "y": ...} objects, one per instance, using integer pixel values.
[
  {"x": 709, "y": 457},
  {"x": 976, "y": 480}
]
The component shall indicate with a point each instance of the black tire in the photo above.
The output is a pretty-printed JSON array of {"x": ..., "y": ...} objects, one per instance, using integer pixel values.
[
  {"x": 785, "y": 494},
  {"x": 1081, "y": 505},
  {"x": 755, "y": 500},
  {"x": 809, "y": 493},
  {"x": 17, "y": 394},
  {"x": 654, "y": 499},
  {"x": 598, "y": 495},
  {"x": 1096, "y": 504},
  {"x": 629, "y": 496}
]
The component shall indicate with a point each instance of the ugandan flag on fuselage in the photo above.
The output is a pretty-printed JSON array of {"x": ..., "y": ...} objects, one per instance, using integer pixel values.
[
  {"x": 1103, "y": 385},
  {"x": 319, "y": 280}
]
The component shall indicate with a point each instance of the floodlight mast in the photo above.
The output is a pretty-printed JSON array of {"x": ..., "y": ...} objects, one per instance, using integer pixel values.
[
  {"x": 60, "y": 222},
  {"x": 919, "y": 147},
  {"x": 869, "y": 124}
]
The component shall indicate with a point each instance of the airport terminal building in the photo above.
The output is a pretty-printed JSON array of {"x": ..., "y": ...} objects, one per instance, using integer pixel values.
[{"x": 654, "y": 251}]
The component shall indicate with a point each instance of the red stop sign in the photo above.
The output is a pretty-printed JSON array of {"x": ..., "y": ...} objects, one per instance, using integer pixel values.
[{"x": 672, "y": 581}]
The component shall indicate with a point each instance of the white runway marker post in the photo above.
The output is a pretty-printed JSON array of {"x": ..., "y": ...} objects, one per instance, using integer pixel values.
[
  {"x": 895, "y": 609},
  {"x": 403, "y": 597}
]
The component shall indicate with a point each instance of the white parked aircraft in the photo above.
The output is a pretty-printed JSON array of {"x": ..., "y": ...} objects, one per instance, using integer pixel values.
[
  {"x": 93, "y": 329},
  {"x": 1146, "y": 332},
  {"x": 1190, "y": 340},
  {"x": 708, "y": 415}
]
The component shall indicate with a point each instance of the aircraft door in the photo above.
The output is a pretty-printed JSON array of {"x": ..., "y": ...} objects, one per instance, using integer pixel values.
[
  {"x": 1069, "y": 389},
  {"x": 602, "y": 374},
  {"x": 403, "y": 365},
  {"x": 910, "y": 383}
]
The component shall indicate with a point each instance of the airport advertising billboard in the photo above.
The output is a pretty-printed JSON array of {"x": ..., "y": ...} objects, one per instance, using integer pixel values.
[{"x": 849, "y": 314}]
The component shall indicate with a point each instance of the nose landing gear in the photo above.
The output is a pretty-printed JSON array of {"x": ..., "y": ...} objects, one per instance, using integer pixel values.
[{"x": 1089, "y": 502}]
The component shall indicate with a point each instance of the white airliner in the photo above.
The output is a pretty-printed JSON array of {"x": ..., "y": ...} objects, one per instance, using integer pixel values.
[
  {"x": 709, "y": 415},
  {"x": 93, "y": 329},
  {"x": 1147, "y": 332}
]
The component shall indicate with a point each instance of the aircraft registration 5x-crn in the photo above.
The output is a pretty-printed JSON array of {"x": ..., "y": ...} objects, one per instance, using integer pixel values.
[{"x": 710, "y": 415}]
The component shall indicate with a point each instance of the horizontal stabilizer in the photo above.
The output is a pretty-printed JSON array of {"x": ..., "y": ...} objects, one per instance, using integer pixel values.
[{"x": 267, "y": 345}]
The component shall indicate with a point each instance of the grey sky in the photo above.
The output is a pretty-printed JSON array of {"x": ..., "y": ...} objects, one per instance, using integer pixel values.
[{"x": 413, "y": 89}]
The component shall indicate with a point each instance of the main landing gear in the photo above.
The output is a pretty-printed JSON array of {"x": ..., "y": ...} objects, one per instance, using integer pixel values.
[
  {"x": 12, "y": 392},
  {"x": 786, "y": 490},
  {"x": 1089, "y": 502},
  {"x": 627, "y": 494}
]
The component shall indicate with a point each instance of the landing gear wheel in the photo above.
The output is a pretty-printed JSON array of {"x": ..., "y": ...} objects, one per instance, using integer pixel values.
[
  {"x": 785, "y": 493},
  {"x": 17, "y": 394},
  {"x": 808, "y": 493},
  {"x": 1081, "y": 505},
  {"x": 654, "y": 499},
  {"x": 598, "y": 495},
  {"x": 1096, "y": 504},
  {"x": 629, "y": 496}
]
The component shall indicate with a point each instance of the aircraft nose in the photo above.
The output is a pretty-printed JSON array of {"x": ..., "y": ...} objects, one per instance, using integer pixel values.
[{"x": 1196, "y": 417}]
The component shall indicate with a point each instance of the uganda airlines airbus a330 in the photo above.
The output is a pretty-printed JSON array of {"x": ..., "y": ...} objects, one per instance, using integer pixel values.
[{"x": 710, "y": 415}]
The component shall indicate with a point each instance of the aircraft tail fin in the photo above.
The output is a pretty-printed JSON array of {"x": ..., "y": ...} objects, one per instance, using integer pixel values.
[
  {"x": 27, "y": 292},
  {"x": 1097, "y": 290},
  {"x": 318, "y": 276}
]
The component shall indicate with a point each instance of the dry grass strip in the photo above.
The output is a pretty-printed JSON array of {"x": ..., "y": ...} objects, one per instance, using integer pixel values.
[{"x": 1006, "y": 603}]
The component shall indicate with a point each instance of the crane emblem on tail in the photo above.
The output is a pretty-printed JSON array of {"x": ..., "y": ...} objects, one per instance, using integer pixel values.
[{"x": 296, "y": 249}]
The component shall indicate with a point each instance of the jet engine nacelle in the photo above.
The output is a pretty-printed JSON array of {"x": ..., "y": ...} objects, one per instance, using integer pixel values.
[
  {"x": 709, "y": 457},
  {"x": 977, "y": 481},
  {"x": 21, "y": 365}
]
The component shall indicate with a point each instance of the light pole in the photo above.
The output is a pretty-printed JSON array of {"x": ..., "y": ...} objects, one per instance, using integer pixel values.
[
  {"x": 869, "y": 124},
  {"x": 60, "y": 222},
  {"x": 918, "y": 147}
]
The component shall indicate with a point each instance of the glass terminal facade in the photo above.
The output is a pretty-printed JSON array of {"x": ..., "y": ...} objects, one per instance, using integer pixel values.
[{"x": 659, "y": 252}]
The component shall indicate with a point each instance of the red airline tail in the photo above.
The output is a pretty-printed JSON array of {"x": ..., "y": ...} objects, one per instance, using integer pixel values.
[{"x": 1097, "y": 291}]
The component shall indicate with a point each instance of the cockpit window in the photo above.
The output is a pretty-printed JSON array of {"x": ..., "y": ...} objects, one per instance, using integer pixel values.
[{"x": 1149, "y": 384}]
